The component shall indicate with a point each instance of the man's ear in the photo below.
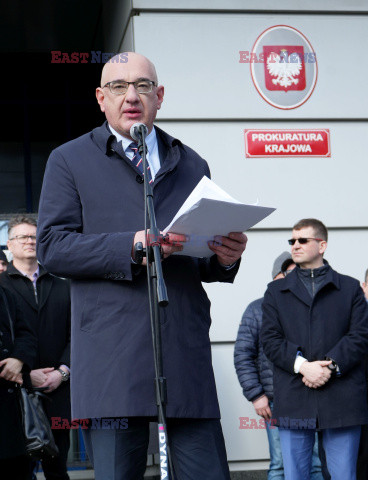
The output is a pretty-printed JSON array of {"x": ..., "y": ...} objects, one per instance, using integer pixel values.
[
  {"x": 100, "y": 98},
  {"x": 323, "y": 247},
  {"x": 160, "y": 96}
]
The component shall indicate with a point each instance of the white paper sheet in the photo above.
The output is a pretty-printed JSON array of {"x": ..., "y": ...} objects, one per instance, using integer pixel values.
[{"x": 210, "y": 211}]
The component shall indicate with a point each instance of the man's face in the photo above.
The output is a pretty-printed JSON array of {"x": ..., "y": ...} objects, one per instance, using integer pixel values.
[
  {"x": 22, "y": 251},
  {"x": 3, "y": 266},
  {"x": 122, "y": 111},
  {"x": 310, "y": 254}
]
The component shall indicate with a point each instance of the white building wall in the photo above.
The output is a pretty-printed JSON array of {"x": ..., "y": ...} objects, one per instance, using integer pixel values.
[{"x": 210, "y": 99}]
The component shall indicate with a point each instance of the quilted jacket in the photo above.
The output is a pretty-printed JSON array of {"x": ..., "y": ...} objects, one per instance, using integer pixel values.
[{"x": 253, "y": 368}]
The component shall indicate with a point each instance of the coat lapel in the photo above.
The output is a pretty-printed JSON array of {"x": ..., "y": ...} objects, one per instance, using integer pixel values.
[
  {"x": 118, "y": 148},
  {"x": 20, "y": 284},
  {"x": 295, "y": 286},
  {"x": 168, "y": 148},
  {"x": 44, "y": 287}
]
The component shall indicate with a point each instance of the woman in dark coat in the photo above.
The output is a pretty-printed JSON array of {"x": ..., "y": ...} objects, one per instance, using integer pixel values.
[{"x": 16, "y": 358}]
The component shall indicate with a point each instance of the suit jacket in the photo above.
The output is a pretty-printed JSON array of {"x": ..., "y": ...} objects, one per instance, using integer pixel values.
[
  {"x": 91, "y": 205},
  {"x": 50, "y": 319},
  {"x": 333, "y": 324},
  {"x": 24, "y": 348}
]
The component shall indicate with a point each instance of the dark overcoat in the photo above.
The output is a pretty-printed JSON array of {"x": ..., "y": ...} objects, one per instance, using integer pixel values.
[
  {"x": 333, "y": 324},
  {"x": 91, "y": 206},
  {"x": 24, "y": 348},
  {"x": 50, "y": 318}
]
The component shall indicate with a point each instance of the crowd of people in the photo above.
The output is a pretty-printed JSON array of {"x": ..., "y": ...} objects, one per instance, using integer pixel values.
[{"x": 299, "y": 353}]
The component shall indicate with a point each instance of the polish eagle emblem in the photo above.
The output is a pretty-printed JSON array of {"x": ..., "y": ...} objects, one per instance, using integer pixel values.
[{"x": 285, "y": 68}]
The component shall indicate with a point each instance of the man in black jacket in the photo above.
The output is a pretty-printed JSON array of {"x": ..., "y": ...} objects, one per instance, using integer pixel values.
[
  {"x": 46, "y": 301},
  {"x": 255, "y": 374},
  {"x": 315, "y": 332}
]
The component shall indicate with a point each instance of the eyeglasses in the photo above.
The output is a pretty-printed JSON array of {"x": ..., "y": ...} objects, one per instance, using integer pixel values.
[
  {"x": 303, "y": 240},
  {"x": 119, "y": 87},
  {"x": 23, "y": 238}
]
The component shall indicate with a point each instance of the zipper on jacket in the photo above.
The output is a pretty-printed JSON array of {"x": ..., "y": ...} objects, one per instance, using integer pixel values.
[{"x": 313, "y": 286}]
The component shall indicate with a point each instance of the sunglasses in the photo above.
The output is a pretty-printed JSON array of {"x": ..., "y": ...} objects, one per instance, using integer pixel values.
[{"x": 303, "y": 240}]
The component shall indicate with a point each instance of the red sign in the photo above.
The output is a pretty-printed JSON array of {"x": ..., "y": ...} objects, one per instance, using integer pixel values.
[
  {"x": 287, "y": 143},
  {"x": 284, "y": 67}
]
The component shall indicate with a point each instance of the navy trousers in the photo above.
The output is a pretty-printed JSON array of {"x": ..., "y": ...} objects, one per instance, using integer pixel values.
[{"x": 197, "y": 449}]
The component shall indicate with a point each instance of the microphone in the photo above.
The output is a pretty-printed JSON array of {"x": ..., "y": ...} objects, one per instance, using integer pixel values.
[{"x": 137, "y": 130}]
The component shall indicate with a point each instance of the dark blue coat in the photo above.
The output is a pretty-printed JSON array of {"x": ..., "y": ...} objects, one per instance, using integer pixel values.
[
  {"x": 333, "y": 324},
  {"x": 253, "y": 368},
  {"x": 91, "y": 206}
]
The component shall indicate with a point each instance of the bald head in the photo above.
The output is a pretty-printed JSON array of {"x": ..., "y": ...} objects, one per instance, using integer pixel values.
[
  {"x": 129, "y": 61},
  {"x": 131, "y": 106}
]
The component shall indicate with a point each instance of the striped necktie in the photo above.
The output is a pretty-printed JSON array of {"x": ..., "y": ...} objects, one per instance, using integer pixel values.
[{"x": 138, "y": 161}]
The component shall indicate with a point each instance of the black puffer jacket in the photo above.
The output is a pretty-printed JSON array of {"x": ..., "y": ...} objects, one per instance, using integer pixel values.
[{"x": 252, "y": 367}]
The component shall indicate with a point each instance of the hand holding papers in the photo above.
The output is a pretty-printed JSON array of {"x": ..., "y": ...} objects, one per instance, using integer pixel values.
[{"x": 208, "y": 212}]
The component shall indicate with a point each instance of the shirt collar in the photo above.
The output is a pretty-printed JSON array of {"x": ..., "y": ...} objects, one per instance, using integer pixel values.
[
  {"x": 151, "y": 139},
  {"x": 103, "y": 138},
  {"x": 35, "y": 275}
]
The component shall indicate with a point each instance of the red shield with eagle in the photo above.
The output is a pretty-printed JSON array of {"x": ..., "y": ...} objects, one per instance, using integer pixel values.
[{"x": 284, "y": 67}]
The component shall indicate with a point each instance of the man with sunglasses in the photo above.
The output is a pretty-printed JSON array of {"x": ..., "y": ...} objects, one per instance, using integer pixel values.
[
  {"x": 315, "y": 332},
  {"x": 255, "y": 374}
]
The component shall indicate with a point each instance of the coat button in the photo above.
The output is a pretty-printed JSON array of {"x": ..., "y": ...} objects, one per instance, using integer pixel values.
[
  {"x": 10, "y": 390},
  {"x": 139, "y": 179}
]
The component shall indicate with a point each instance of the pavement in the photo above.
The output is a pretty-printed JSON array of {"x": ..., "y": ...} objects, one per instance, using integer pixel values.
[{"x": 89, "y": 475}]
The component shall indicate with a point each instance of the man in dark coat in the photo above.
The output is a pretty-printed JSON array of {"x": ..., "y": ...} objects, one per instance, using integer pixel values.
[
  {"x": 91, "y": 214},
  {"x": 255, "y": 374},
  {"x": 16, "y": 358},
  {"x": 45, "y": 299},
  {"x": 315, "y": 331}
]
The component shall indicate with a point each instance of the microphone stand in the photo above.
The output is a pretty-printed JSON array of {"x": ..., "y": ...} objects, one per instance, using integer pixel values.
[{"x": 158, "y": 299}]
